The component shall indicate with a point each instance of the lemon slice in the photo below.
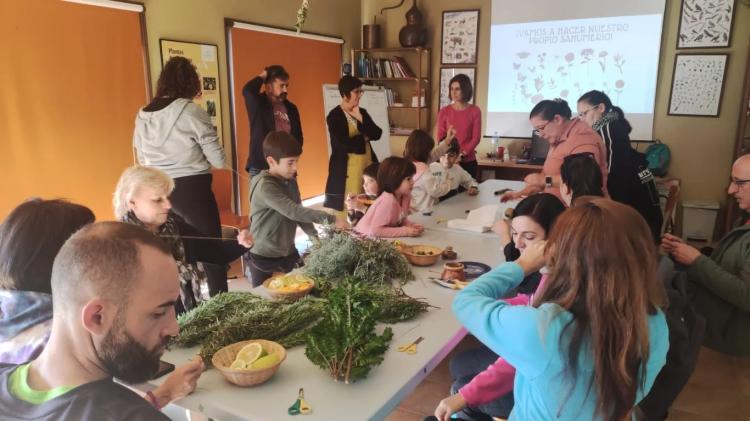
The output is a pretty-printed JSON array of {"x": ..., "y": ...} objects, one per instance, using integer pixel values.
[
  {"x": 249, "y": 353},
  {"x": 264, "y": 362},
  {"x": 238, "y": 365}
]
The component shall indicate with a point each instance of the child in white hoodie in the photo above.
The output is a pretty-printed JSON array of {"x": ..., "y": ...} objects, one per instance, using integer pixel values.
[
  {"x": 427, "y": 189},
  {"x": 460, "y": 179}
]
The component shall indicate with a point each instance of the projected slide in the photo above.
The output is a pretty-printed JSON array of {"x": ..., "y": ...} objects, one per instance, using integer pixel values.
[{"x": 533, "y": 61}]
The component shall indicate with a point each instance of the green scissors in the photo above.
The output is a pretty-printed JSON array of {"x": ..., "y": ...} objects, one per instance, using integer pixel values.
[
  {"x": 411, "y": 348},
  {"x": 300, "y": 406}
]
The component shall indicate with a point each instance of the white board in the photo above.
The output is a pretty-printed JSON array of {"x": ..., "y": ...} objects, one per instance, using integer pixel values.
[{"x": 375, "y": 102}]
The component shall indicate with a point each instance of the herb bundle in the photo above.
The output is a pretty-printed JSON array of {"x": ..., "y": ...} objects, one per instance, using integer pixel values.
[
  {"x": 237, "y": 316},
  {"x": 339, "y": 255},
  {"x": 344, "y": 342}
]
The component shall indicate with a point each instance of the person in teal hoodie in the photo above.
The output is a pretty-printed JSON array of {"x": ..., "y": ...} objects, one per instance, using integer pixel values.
[
  {"x": 592, "y": 343},
  {"x": 719, "y": 284}
]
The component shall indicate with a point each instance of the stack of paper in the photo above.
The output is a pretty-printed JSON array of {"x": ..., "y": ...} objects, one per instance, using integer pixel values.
[{"x": 478, "y": 220}]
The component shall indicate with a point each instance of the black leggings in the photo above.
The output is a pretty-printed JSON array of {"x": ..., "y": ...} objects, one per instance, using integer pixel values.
[{"x": 193, "y": 199}]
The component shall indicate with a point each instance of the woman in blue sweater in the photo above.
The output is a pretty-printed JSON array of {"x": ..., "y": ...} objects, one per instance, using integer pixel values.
[{"x": 595, "y": 337}]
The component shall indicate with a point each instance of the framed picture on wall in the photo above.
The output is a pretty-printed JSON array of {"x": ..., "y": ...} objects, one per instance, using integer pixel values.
[
  {"x": 697, "y": 84},
  {"x": 446, "y": 73},
  {"x": 460, "y": 36},
  {"x": 705, "y": 23},
  {"x": 205, "y": 59}
]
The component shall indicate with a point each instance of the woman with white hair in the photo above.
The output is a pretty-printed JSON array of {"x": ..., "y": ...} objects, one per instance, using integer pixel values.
[{"x": 142, "y": 198}]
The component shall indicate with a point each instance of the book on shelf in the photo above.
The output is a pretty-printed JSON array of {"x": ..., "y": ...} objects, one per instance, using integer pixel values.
[{"x": 383, "y": 68}]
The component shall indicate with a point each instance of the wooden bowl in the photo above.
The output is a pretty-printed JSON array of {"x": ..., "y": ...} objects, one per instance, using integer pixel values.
[
  {"x": 421, "y": 255},
  {"x": 223, "y": 358},
  {"x": 287, "y": 295}
]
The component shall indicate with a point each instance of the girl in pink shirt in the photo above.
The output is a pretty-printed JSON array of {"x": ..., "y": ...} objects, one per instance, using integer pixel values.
[
  {"x": 388, "y": 216},
  {"x": 482, "y": 380},
  {"x": 462, "y": 121}
]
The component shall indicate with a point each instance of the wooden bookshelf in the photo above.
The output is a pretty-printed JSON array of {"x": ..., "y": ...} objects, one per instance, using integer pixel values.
[{"x": 412, "y": 67}]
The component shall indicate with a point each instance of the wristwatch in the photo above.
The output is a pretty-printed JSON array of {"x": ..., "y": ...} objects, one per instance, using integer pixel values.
[{"x": 548, "y": 181}]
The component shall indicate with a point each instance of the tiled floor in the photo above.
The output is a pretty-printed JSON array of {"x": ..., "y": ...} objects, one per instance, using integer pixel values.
[{"x": 719, "y": 389}]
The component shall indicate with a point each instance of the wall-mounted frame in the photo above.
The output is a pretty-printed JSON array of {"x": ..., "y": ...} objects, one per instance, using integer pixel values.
[
  {"x": 205, "y": 57},
  {"x": 459, "y": 37},
  {"x": 705, "y": 23},
  {"x": 446, "y": 73},
  {"x": 697, "y": 84}
]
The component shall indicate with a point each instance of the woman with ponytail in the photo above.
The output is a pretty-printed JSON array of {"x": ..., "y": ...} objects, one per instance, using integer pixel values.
[
  {"x": 630, "y": 181},
  {"x": 595, "y": 338}
]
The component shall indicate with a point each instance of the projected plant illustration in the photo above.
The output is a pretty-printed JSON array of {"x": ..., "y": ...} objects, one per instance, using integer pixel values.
[{"x": 568, "y": 75}]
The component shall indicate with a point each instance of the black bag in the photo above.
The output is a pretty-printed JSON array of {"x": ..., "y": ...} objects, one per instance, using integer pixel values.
[{"x": 686, "y": 330}]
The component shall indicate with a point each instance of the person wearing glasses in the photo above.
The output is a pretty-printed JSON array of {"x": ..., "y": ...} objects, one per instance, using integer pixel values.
[
  {"x": 552, "y": 122},
  {"x": 719, "y": 284},
  {"x": 351, "y": 130},
  {"x": 630, "y": 181}
]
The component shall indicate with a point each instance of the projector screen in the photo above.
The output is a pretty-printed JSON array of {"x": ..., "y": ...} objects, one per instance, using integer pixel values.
[{"x": 544, "y": 50}]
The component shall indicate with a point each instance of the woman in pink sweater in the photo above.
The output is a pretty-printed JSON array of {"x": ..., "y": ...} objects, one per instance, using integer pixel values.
[
  {"x": 483, "y": 382},
  {"x": 462, "y": 121},
  {"x": 388, "y": 216}
]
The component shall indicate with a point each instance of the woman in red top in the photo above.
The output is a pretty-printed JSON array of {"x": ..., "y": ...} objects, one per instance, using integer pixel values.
[{"x": 461, "y": 121}]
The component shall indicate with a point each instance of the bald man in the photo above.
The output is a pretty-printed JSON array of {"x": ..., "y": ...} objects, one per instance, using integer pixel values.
[
  {"x": 720, "y": 284},
  {"x": 114, "y": 286}
]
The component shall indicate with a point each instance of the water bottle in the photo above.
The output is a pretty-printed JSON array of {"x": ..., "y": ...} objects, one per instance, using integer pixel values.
[{"x": 495, "y": 144}]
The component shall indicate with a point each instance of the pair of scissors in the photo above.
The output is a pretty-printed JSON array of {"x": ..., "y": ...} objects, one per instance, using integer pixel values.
[
  {"x": 300, "y": 406},
  {"x": 411, "y": 348}
]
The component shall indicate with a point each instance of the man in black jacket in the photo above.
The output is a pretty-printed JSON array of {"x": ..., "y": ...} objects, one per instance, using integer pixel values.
[{"x": 268, "y": 111}]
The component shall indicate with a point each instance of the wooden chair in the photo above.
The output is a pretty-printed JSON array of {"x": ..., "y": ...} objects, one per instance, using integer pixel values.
[{"x": 670, "y": 209}]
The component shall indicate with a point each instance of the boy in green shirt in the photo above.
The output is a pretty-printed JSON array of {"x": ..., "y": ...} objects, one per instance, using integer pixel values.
[{"x": 276, "y": 210}]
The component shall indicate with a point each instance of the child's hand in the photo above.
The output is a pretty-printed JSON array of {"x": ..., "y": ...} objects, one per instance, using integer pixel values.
[
  {"x": 350, "y": 201},
  {"x": 473, "y": 191},
  {"x": 414, "y": 230},
  {"x": 245, "y": 239},
  {"x": 451, "y": 133},
  {"x": 532, "y": 257},
  {"x": 342, "y": 223}
]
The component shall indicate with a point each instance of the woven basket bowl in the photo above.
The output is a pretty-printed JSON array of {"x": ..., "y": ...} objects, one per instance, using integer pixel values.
[
  {"x": 412, "y": 254},
  {"x": 251, "y": 377},
  {"x": 288, "y": 295}
]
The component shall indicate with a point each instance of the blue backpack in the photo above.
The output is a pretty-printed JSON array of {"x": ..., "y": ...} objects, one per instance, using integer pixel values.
[{"x": 658, "y": 157}]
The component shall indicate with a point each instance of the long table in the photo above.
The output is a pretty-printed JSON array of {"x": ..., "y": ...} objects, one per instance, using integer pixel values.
[{"x": 387, "y": 384}]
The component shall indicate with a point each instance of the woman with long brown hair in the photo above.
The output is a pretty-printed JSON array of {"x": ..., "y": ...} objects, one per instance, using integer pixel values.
[{"x": 595, "y": 339}]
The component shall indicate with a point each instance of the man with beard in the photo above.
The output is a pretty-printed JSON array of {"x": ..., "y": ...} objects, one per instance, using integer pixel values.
[
  {"x": 114, "y": 286},
  {"x": 719, "y": 284},
  {"x": 268, "y": 111}
]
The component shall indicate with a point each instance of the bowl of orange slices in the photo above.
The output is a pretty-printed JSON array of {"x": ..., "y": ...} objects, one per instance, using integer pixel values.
[{"x": 290, "y": 286}]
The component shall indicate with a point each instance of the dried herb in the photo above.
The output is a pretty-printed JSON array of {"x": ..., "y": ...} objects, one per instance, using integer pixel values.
[
  {"x": 339, "y": 255},
  {"x": 344, "y": 342},
  {"x": 237, "y": 316}
]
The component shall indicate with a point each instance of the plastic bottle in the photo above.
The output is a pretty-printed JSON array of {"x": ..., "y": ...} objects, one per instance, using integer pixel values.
[
  {"x": 495, "y": 144},
  {"x": 506, "y": 155}
]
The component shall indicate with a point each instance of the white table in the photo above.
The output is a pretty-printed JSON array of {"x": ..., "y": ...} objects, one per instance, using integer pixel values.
[
  {"x": 387, "y": 384},
  {"x": 457, "y": 206}
]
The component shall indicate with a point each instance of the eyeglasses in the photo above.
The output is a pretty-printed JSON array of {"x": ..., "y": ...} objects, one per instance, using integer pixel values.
[
  {"x": 539, "y": 130},
  {"x": 583, "y": 114},
  {"x": 737, "y": 182}
]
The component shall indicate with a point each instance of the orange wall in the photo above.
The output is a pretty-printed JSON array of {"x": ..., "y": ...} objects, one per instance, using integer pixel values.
[
  {"x": 310, "y": 64},
  {"x": 72, "y": 82}
]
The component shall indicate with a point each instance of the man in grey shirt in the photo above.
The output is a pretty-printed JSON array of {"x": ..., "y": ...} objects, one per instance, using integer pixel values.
[{"x": 114, "y": 286}]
